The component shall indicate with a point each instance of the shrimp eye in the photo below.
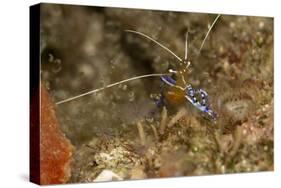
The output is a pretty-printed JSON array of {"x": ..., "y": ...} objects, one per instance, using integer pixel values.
[{"x": 188, "y": 64}]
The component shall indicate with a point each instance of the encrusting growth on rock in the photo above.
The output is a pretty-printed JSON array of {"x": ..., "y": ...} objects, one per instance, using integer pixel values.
[{"x": 55, "y": 149}]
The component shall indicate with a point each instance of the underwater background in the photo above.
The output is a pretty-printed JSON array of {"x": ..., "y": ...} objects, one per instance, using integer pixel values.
[{"x": 121, "y": 129}]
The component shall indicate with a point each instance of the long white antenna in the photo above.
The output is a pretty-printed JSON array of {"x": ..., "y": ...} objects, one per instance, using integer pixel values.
[
  {"x": 108, "y": 86},
  {"x": 216, "y": 19},
  {"x": 185, "y": 52},
  {"x": 158, "y": 43}
]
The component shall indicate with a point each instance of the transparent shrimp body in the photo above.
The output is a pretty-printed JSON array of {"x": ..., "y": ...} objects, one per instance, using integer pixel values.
[{"x": 179, "y": 91}]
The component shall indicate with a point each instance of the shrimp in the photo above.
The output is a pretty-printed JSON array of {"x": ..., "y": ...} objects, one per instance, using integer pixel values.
[{"x": 178, "y": 89}]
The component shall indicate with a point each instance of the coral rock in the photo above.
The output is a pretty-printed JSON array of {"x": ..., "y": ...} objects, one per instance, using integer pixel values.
[{"x": 55, "y": 148}]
